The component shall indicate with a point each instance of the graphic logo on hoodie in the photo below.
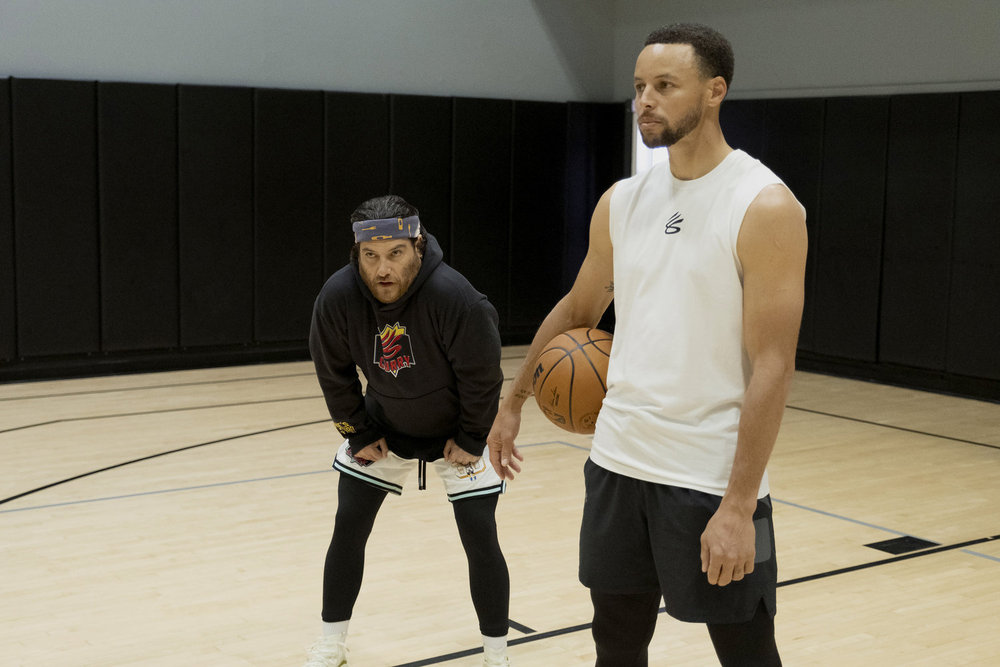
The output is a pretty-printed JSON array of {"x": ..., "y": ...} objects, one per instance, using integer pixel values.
[{"x": 393, "y": 351}]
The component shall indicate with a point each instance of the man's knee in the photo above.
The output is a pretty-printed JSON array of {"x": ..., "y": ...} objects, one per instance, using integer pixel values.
[
  {"x": 749, "y": 644},
  {"x": 623, "y": 627}
]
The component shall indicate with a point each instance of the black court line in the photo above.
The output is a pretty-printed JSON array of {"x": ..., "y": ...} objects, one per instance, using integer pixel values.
[
  {"x": 154, "y": 412},
  {"x": 886, "y": 561},
  {"x": 895, "y": 428},
  {"x": 153, "y": 456},
  {"x": 791, "y": 582},
  {"x": 154, "y": 386},
  {"x": 176, "y": 384}
]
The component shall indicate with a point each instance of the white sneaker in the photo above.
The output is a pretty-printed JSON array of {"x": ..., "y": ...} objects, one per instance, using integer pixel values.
[
  {"x": 328, "y": 651},
  {"x": 495, "y": 659}
]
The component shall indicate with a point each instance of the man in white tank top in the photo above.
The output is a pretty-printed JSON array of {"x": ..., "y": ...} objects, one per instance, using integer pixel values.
[{"x": 704, "y": 257}]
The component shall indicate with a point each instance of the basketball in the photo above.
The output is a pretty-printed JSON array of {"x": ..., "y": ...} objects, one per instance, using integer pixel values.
[{"x": 570, "y": 378}]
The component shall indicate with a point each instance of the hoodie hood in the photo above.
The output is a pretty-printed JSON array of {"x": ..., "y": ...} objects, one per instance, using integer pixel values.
[{"x": 433, "y": 256}]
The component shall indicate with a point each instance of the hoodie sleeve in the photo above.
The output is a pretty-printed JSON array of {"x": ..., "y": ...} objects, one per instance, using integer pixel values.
[
  {"x": 474, "y": 353},
  {"x": 337, "y": 373}
]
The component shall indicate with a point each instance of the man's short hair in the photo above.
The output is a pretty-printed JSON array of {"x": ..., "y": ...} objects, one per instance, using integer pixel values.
[{"x": 714, "y": 52}]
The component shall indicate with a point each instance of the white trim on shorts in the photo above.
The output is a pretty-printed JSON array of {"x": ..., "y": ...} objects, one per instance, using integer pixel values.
[{"x": 390, "y": 473}]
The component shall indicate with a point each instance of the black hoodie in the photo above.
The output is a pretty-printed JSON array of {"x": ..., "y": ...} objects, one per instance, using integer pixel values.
[{"x": 431, "y": 360}]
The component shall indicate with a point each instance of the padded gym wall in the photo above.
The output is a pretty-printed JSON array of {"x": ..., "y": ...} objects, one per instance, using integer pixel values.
[
  {"x": 535, "y": 264},
  {"x": 156, "y": 226},
  {"x": 596, "y": 147},
  {"x": 974, "y": 312},
  {"x": 481, "y": 203},
  {"x": 8, "y": 320},
  {"x": 848, "y": 260},
  {"x": 903, "y": 284},
  {"x": 919, "y": 208},
  {"x": 137, "y": 174},
  {"x": 288, "y": 212},
  {"x": 55, "y": 217},
  {"x": 215, "y": 189}
]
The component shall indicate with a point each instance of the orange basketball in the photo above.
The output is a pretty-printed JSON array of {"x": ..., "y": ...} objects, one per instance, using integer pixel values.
[{"x": 570, "y": 378}]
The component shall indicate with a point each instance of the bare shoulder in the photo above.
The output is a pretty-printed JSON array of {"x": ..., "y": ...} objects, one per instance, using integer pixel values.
[
  {"x": 602, "y": 212},
  {"x": 600, "y": 224},
  {"x": 775, "y": 223}
]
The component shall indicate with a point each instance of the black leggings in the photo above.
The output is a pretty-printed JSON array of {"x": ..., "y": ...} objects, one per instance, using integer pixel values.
[
  {"x": 359, "y": 503},
  {"x": 624, "y": 624}
]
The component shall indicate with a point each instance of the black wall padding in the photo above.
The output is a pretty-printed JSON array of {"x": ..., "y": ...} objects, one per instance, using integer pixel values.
[
  {"x": 137, "y": 167},
  {"x": 793, "y": 149},
  {"x": 55, "y": 209},
  {"x": 743, "y": 125},
  {"x": 974, "y": 312},
  {"x": 481, "y": 174},
  {"x": 596, "y": 157},
  {"x": 918, "y": 221},
  {"x": 357, "y": 165},
  {"x": 537, "y": 217},
  {"x": 215, "y": 154},
  {"x": 420, "y": 162},
  {"x": 848, "y": 260},
  {"x": 288, "y": 219},
  {"x": 8, "y": 313}
]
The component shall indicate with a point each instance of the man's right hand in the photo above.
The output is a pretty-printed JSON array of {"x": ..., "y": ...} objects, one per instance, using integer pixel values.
[
  {"x": 504, "y": 454},
  {"x": 375, "y": 451}
]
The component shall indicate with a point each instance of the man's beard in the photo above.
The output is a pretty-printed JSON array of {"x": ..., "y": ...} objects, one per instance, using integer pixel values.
[
  {"x": 406, "y": 277},
  {"x": 669, "y": 136}
]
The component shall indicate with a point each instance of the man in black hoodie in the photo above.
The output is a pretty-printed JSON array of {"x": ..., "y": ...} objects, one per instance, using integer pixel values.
[{"x": 428, "y": 346}]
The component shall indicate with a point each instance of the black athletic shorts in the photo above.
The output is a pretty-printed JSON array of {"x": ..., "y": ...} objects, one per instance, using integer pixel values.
[{"x": 641, "y": 537}]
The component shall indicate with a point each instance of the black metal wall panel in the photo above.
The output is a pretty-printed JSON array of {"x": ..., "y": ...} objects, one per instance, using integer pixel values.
[
  {"x": 538, "y": 213},
  {"x": 8, "y": 312},
  {"x": 793, "y": 149},
  {"x": 55, "y": 214},
  {"x": 848, "y": 256},
  {"x": 357, "y": 165},
  {"x": 215, "y": 215},
  {"x": 919, "y": 207},
  {"x": 137, "y": 167},
  {"x": 481, "y": 196},
  {"x": 288, "y": 219},
  {"x": 974, "y": 303},
  {"x": 420, "y": 162},
  {"x": 743, "y": 124}
]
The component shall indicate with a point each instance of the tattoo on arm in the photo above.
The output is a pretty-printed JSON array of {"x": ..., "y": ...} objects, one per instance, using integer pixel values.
[
  {"x": 610, "y": 289},
  {"x": 522, "y": 393}
]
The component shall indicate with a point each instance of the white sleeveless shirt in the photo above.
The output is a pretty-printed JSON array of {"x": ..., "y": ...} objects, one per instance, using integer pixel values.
[{"x": 678, "y": 371}]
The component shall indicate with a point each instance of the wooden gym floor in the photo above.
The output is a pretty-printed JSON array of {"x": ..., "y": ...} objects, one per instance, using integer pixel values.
[{"x": 182, "y": 519}]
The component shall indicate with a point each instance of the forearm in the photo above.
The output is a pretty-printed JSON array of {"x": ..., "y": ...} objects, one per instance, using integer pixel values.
[
  {"x": 561, "y": 318},
  {"x": 763, "y": 407}
]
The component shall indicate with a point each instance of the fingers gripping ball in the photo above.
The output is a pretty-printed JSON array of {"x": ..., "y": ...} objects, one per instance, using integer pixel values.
[{"x": 570, "y": 378}]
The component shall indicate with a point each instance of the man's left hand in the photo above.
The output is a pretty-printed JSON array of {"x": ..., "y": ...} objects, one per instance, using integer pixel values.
[
  {"x": 728, "y": 546},
  {"x": 457, "y": 456}
]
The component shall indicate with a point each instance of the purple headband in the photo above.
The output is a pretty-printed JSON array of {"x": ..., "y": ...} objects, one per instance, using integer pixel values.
[{"x": 384, "y": 229}]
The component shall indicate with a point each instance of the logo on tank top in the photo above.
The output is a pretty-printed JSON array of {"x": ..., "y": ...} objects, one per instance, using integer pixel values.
[
  {"x": 672, "y": 223},
  {"x": 393, "y": 351}
]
